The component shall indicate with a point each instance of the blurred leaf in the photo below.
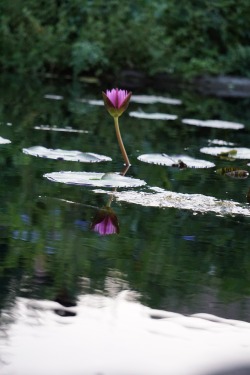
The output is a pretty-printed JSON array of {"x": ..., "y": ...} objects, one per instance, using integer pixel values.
[{"x": 233, "y": 172}]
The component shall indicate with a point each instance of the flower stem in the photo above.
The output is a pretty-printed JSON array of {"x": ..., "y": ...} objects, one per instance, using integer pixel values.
[{"x": 119, "y": 138}]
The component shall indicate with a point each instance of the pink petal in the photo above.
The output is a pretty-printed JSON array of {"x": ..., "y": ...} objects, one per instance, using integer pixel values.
[{"x": 117, "y": 97}]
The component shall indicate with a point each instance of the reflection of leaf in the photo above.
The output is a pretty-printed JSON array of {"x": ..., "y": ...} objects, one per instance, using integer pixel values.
[
  {"x": 105, "y": 222},
  {"x": 233, "y": 172}
]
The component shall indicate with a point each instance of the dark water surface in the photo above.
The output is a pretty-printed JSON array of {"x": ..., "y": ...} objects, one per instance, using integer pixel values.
[{"x": 176, "y": 259}]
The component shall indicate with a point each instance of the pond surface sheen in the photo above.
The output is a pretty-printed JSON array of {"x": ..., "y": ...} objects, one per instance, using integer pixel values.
[{"x": 176, "y": 259}]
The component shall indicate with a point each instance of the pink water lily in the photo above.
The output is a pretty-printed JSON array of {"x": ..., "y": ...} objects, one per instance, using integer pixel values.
[
  {"x": 105, "y": 222},
  {"x": 116, "y": 101}
]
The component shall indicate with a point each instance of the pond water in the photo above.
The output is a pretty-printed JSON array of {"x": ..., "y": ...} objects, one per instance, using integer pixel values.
[{"x": 183, "y": 212}]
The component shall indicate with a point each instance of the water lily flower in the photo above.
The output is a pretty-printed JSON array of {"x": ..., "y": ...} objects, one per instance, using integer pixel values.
[
  {"x": 116, "y": 101},
  {"x": 105, "y": 222}
]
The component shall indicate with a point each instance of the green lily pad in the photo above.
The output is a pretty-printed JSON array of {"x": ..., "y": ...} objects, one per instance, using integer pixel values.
[
  {"x": 194, "y": 202},
  {"x": 4, "y": 141},
  {"x": 213, "y": 124},
  {"x": 152, "y": 116},
  {"x": 151, "y": 99},
  {"x": 235, "y": 152},
  {"x": 94, "y": 179},
  {"x": 68, "y": 155},
  {"x": 173, "y": 160}
]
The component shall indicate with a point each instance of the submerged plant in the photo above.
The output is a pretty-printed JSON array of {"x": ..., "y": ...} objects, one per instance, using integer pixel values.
[{"x": 116, "y": 102}]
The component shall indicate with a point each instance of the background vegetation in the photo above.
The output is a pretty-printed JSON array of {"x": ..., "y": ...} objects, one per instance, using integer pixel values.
[{"x": 100, "y": 37}]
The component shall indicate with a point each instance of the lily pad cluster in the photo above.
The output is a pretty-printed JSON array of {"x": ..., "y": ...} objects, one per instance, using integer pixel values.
[{"x": 116, "y": 102}]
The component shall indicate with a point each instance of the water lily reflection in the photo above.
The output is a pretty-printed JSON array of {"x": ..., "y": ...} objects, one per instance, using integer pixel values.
[{"x": 105, "y": 222}]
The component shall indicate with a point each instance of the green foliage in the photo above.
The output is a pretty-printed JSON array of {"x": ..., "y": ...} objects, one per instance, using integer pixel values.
[
  {"x": 105, "y": 37},
  {"x": 204, "y": 34},
  {"x": 86, "y": 56},
  {"x": 238, "y": 60}
]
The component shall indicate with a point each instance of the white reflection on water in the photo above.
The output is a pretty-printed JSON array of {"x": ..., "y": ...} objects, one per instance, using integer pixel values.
[{"x": 118, "y": 336}]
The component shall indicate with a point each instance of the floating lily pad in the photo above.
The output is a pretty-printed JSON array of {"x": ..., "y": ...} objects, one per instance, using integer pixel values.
[
  {"x": 220, "y": 142},
  {"x": 194, "y": 202},
  {"x": 4, "y": 141},
  {"x": 67, "y": 129},
  {"x": 92, "y": 101},
  {"x": 53, "y": 97},
  {"x": 173, "y": 160},
  {"x": 152, "y": 116},
  {"x": 151, "y": 99},
  {"x": 68, "y": 155},
  {"x": 6, "y": 123},
  {"x": 94, "y": 179},
  {"x": 213, "y": 124},
  {"x": 241, "y": 152}
]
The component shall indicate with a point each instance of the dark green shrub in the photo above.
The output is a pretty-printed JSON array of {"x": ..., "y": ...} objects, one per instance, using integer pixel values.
[{"x": 99, "y": 37}]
